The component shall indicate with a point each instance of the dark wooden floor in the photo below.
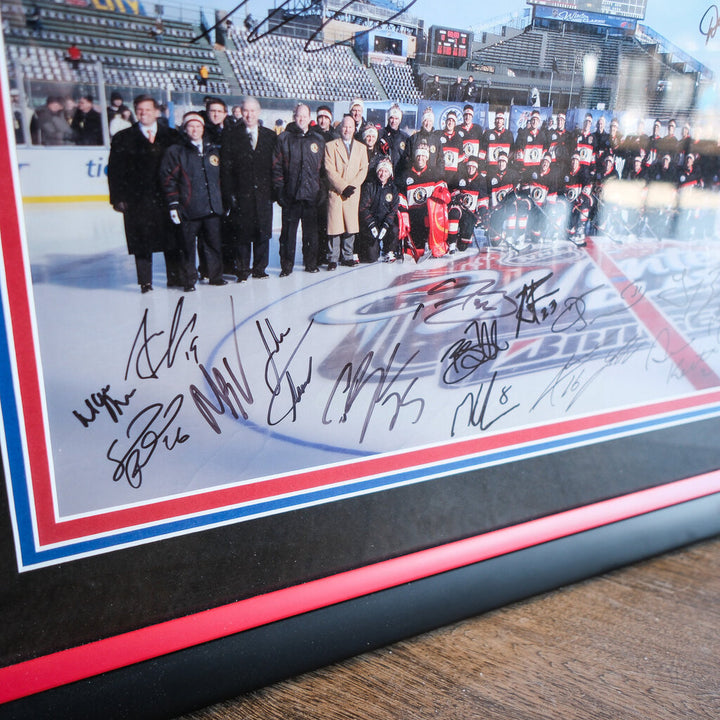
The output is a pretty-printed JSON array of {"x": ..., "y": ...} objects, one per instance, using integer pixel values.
[{"x": 642, "y": 642}]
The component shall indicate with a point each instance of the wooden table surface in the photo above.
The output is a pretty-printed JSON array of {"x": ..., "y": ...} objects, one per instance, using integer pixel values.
[{"x": 640, "y": 642}]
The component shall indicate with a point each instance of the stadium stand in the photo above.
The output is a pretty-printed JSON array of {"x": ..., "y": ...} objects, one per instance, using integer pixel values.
[
  {"x": 278, "y": 66},
  {"x": 397, "y": 82},
  {"x": 123, "y": 45}
]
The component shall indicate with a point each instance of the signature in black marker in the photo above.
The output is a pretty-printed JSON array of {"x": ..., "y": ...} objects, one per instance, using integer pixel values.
[
  {"x": 476, "y": 406},
  {"x": 147, "y": 431},
  {"x": 475, "y": 297},
  {"x": 152, "y": 350},
  {"x": 531, "y": 308},
  {"x": 230, "y": 388},
  {"x": 276, "y": 377},
  {"x": 468, "y": 354},
  {"x": 352, "y": 381},
  {"x": 100, "y": 401}
]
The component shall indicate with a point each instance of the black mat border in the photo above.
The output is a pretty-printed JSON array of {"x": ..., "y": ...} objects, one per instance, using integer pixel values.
[{"x": 180, "y": 682}]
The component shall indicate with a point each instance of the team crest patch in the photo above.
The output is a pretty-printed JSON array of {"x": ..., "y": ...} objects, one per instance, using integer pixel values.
[
  {"x": 419, "y": 196},
  {"x": 388, "y": 197},
  {"x": 432, "y": 148},
  {"x": 409, "y": 181},
  {"x": 402, "y": 145},
  {"x": 314, "y": 148},
  {"x": 214, "y": 160}
]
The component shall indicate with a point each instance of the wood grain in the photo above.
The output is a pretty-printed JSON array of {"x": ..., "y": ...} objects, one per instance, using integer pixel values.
[{"x": 642, "y": 642}]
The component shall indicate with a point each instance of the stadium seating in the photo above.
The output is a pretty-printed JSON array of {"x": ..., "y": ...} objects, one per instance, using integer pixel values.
[
  {"x": 397, "y": 81},
  {"x": 278, "y": 66},
  {"x": 123, "y": 45}
]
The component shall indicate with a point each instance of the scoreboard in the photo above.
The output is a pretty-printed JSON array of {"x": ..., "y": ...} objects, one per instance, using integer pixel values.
[
  {"x": 450, "y": 43},
  {"x": 634, "y": 9}
]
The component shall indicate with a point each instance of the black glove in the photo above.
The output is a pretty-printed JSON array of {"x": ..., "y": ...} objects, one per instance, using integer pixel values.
[{"x": 347, "y": 192}]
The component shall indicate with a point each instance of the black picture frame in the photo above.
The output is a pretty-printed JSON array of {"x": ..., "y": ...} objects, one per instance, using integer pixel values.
[{"x": 121, "y": 620}]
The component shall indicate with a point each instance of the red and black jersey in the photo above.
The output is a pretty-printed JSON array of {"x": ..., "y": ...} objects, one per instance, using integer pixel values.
[
  {"x": 451, "y": 146},
  {"x": 500, "y": 184},
  {"x": 573, "y": 185},
  {"x": 472, "y": 194},
  {"x": 530, "y": 146},
  {"x": 585, "y": 145},
  {"x": 416, "y": 186},
  {"x": 494, "y": 143},
  {"x": 557, "y": 147},
  {"x": 471, "y": 139},
  {"x": 690, "y": 178},
  {"x": 542, "y": 185},
  {"x": 653, "y": 150}
]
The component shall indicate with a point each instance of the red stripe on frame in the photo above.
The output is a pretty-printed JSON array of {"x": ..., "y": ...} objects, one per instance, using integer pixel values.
[
  {"x": 297, "y": 482},
  {"x": 84, "y": 661},
  {"x": 22, "y": 341}
]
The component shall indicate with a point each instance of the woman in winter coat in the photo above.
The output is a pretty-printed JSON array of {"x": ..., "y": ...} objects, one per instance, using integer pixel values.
[{"x": 379, "y": 215}]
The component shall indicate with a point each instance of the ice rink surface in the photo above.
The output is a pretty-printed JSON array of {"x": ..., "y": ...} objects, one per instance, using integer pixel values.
[{"x": 158, "y": 395}]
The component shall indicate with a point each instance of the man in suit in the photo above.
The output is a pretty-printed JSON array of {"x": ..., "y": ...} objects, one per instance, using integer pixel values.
[
  {"x": 297, "y": 163},
  {"x": 346, "y": 166},
  {"x": 136, "y": 192},
  {"x": 246, "y": 179}
]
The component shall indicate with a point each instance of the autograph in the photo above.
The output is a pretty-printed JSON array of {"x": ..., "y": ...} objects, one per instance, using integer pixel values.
[
  {"x": 150, "y": 350},
  {"x": 275, "y": 378},
  {"x": 355, "y": 381},
  {"x": 476, "y": 405},
  {"x": 103, "y": 401},
  {"x": 709, "y": 23},
  {"x": 530, "y": 308},
  {"x": 467, "y": 355},
  {"x": 228, "y": 394},
  {"x": 148, "y": 437}
]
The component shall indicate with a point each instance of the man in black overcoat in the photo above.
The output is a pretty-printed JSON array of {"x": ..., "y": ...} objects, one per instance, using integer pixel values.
[
  {"x": 136, "y": 191},
  {"x": 246, "y": 159}
]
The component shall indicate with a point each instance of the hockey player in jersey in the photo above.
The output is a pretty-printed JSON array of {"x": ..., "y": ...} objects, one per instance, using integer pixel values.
[
  {"x": 692, "y": 217},
  {"x": 469, "y": 206},
  {"x": 451, "y": 144},
  {"x": 576, "y": 196},
  {"x": 635, "y": 145},
  {"x": 669, "y": 143},
  {"x": 378, "y": 215},
  {"x": 430, "y": 137},
  {"x": 423, "y": 200},
  {"x": 495, "y": 141},
  {"x": 654, "y": 153},
  {"x": 662, "y": 197},
  {"x": 501, "y": 180},
  {"x": 585, "y": 145},
  {"x": 470, "y": 132},
  {"x": 558, "y": 144},
  {"x": 603, "y": 219},
  {"x": 542, "y": 185},
  {"x": 531, "y": 144}
]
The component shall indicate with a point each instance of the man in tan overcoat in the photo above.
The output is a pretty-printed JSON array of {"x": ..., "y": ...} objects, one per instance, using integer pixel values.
[{"x": 346, "y": 165}]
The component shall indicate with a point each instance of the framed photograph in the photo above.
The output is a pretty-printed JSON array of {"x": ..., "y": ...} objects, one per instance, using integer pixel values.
[{"x": 216, "y": 479}]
